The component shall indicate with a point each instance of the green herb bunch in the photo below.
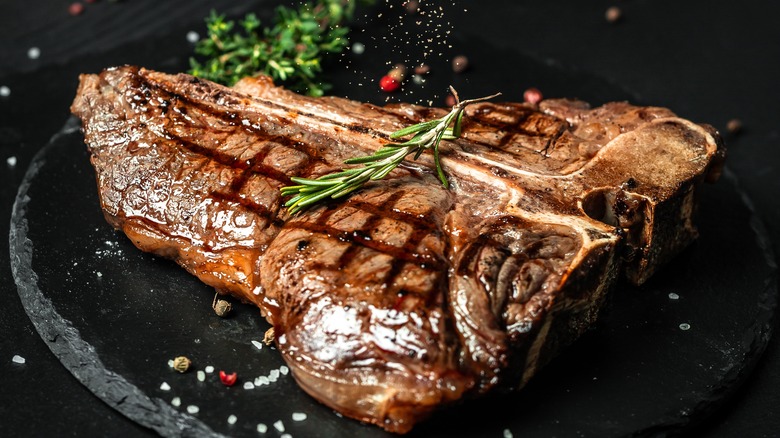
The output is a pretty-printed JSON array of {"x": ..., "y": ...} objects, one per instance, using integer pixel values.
[{"x": 290, "y": 51}]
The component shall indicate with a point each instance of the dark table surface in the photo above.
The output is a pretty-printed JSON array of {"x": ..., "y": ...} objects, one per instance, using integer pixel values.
[{"x": 710, "y": 61}]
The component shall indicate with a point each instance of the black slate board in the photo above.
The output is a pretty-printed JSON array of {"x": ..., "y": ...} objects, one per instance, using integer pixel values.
[
  {"x": 114, "y": 316},
  {"x": 637, "y": 373}
]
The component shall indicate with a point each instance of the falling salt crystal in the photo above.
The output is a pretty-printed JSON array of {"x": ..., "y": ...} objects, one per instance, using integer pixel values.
[
  {"x": 685, "y": 326},
  {"x": 284, "y": 370},
  {"x": 258, "y": 344},
  {"x": 232, "y": 419},
  {"x": 34, "y": 53},
  {"x": 11, "y": 161},
  {"x": 5, "y": 91},
  {"x": 209, "y": 369},
  {"x": 673, "y": 296},
  {"x": 165, "y": 386},
  {"x": 192, "y": 409},
  {"x": 507, "y": 433},
  {"x": 358, "y": 48},
  {"x": 298, "y": 416},
  {"x": 192, "y": 37},
  {"x": 249, "y": 385},
  {"x": 170, "y": 363},
  {"x": 201, "y": 376},
  {"x": 279, "y": 426},
  {"x": 18, "y": 359},
  {"x": 176, "y": 401}
]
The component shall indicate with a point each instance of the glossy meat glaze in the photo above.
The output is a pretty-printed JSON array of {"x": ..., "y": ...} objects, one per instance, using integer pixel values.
[{"x": 406, "y": 296}]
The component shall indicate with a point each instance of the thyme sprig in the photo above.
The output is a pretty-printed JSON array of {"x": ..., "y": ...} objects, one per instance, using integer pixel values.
[
  {"x": 425, "y": 135},
  {"x": 290, "y": 51}
]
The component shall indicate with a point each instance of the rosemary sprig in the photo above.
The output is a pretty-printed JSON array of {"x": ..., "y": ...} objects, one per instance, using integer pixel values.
[
  {"x": 425, "y": 135},
  {"x": 290, "y": 51}
]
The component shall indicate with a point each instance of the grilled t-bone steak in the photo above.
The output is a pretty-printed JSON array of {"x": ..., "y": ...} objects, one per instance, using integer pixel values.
[{"x": 406, "y": 296}]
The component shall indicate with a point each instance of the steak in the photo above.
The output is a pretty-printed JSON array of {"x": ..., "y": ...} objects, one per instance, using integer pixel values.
[{"x": 406, "y": 296}]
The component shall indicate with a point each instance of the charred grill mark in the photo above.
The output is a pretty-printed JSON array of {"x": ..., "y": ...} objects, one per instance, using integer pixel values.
[{"x": 361, "y": 238}]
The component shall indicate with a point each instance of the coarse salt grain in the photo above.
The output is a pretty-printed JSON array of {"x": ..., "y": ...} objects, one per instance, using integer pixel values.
[
  {"x": 11, "y": 161},
  {"x": 673, "y": 296},
  {"x": 249, "y": 385},
  {"x": 258, "y": 344},
  {"x": 262, "y": 428},
  {"x": 176, "y": 401},
  {"x": 34, "y": 53},
  {"x": 18, "y": 359},
  {"x": 285, "y": 435},
  {"x": 685, "y": 326},
  {"x": 192, "y": 409},
  {"x": 284, "y": 370},
  {"x": 507, "y": 433},
  {"x": 279, "y": 426},
  {"x": 358, "y": 48},
  {"x": 263, "y": 380},
  {"x": 165, "y": 386},
  {"x": 209, "y": 369},
  {"x": 192, "y": 37},
  {"x": 274, "y": 374},
  {"x": 232, "y": 419},
  {"x": 201, "y": 376},
  {"x": 170, "y": 362},
  {"x": 298, "y": 416},
  {"x": 5, "y": 91},
  {"x": 99, "y": 274}
]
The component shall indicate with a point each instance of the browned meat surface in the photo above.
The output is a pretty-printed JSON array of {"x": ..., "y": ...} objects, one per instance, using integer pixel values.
[{"x": 406, "y": 296}]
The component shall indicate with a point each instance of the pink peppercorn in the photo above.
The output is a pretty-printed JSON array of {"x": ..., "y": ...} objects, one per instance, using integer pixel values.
[
  {"x": 532, "y": 95},
  {"x": 388, "y": 84},
  {"x": 75, "y": 9}
]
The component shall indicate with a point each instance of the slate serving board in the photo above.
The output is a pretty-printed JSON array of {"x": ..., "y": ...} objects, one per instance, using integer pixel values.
[{"x": 114, "y": 316}]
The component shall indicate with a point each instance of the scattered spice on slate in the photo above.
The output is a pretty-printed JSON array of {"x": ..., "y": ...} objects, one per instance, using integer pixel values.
[
  {"x": 398, "y": 72},
  {"x": 221, "y": 307},
  {"x": 75, "y": 9},
  {"x": 460, "y": 63},
  {"x": 613, "y": 14},
  {"x": 268, "y": 337},
  {"x": 228, "y": 379},
  {"x": 734, "y": 126},
  {"x": 422, "y": 69},
  {"x": 181, "y": 364}
]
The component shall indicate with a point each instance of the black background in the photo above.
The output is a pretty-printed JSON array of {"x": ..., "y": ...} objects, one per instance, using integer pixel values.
[{"x": 710, "y": 61}]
